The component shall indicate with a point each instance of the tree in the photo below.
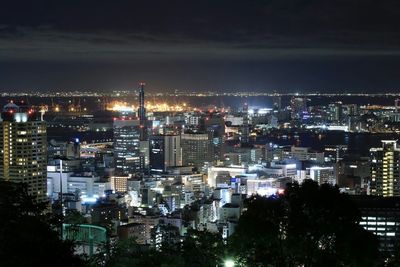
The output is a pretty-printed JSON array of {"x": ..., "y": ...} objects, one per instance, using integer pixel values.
[
  {"x": 74, "y": 217},
  {"x": 202, "y": 249},
  {"x": 26, "y": 236},
  {"x": 127, "y": 253},
  {"x": 199, "y": 249},
  {"x": 308, "y": 225}
]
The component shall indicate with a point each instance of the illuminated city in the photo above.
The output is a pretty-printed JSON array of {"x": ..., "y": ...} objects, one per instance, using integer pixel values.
[{"x": 199, "y": 133}]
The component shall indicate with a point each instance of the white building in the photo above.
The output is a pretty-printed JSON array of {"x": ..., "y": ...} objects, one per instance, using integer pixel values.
[
  {"x": 323, "y": 175},
  {"x": 232, "y": 171},
  {"x": 304, "y": 153}
]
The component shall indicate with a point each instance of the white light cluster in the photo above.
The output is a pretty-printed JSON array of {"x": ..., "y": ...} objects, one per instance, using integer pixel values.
[{"x": 21, "y": 117}]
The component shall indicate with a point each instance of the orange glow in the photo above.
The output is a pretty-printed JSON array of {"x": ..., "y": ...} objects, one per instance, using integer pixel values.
[{"x": 150, "y": 107}]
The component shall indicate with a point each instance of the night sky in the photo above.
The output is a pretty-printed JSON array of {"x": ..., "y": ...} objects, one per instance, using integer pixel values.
[{"x": 284, "y": 45}]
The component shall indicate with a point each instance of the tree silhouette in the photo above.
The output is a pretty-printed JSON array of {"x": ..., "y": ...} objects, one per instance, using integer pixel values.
[
  {"x": 26, "y": 236},
  {"x": 199, "y": 249},
  {"x": 309, "y": 225},
  {"x": 202, "y": 249}
]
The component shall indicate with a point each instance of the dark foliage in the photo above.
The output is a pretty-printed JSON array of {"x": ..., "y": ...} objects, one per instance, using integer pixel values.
[
  {"x": 309, "y": 225},
  {"x": 199, "y": 249},
  {"x": 25, "y": 233}
]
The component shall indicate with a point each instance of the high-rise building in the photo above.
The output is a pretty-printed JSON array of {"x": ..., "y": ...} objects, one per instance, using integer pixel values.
[
  {"x": 323, "y": 175},
  {"x": 214, "y": 125},
  {"x": 336, "y": 111},
  {"x": 245, "y": 127},
  {"x": 385, "y": 169},
  {"x": 277, "y": 103},
  {"x": 127, "y": 156},
  {"x": 352, "y": 109},
  {"x": 23, "y": 145},
  {"x": 298, "y": 107},
  {"x": 197, "y": 149},
  {"x": 397, "y": 104},
  {"x": 142, "y": 113},
  {"x": 165, "y": 151}
]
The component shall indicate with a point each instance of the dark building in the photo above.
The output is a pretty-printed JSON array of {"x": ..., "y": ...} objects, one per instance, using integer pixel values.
[
  {"x": 277, "y": 103},
  {"x": 104, "y": 213},
  {"x": 142, "y": 114},
  {"x": 165, "y": 151},
  {"x": 127, "y": 156},
  {"x": 298, "y": 107},
  {"x": 245, "y": 128},
  {"x": 197, "y": 149},
  {"x": 381, "y": 216},
  {"x": 214, "y": 125}
]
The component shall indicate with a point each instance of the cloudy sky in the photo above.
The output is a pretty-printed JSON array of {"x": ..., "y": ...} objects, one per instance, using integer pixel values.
[{"x": 257, "y": 45}]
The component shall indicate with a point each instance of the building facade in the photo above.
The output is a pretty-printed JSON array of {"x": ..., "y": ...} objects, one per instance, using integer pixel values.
[
  {"x": 127, "y": 156},
  {"x": 165, "y": 151},
  {"x": 197, "y": 149},
  {"x": 23, "y": 144},
  {"x": 385, "y": 169}
]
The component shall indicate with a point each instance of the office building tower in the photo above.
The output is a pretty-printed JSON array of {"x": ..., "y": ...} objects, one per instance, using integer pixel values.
[
  {"x": 214, "y": 125},
  {"x": 23, "y": 145},
  {"x": 127, "y": 156},
  {"x": 298, "y": 107},
  {"x": 165, "y": 151},
  {"x": 385, "y": 169},
  {"x": 277, "y": 103},
  {"x": 336, "y": 112},
  {"x": 323, "y": 175},
  {"x": 352, "y": 110},
  {"x": 245, "y": 127},
  {"x": 381, "y": 216},
  {"x": 197, "y": 149},
  {"x": 70, "y": 150}
]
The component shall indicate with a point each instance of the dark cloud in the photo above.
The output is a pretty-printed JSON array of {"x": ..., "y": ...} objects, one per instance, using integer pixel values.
[{"x": 201, "y": 35}]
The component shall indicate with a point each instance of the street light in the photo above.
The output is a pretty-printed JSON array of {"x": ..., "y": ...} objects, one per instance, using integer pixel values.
[{"x": 229, "y": 263}]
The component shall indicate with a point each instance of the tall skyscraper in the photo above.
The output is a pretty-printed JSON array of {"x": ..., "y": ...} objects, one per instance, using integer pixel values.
[
  {"x": 214, "y": 125},
  {"x": 397, "y": 104},
  {"x": 127, "y": 156},
  {"x": 165, "y": 151},
  {"x": 142, "y": 113},
  {"x": 298, "y": 107},
  {"x": 277, "y": 103},
  {"x": 23, "y": 144},
  {"x": 245, "y": 127},
  {"x": 385, "y": 169},
  {"x": 336, "y": 111},
  {"x": 197, "y": 149}
]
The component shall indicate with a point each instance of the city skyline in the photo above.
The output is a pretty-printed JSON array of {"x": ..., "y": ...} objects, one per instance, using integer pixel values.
[
  {"x": 200, "y": 133},
  {"x": 265, "y": 45}
]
